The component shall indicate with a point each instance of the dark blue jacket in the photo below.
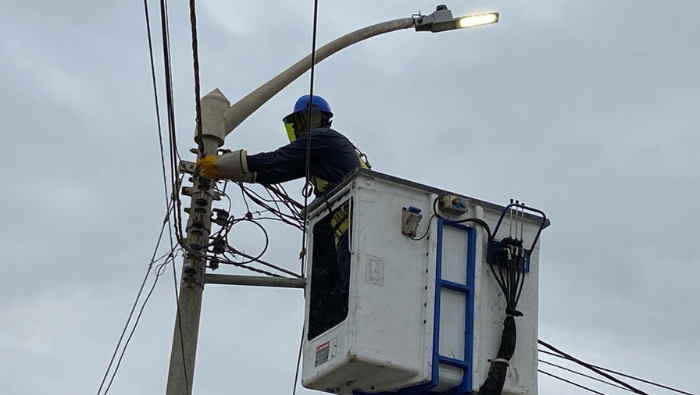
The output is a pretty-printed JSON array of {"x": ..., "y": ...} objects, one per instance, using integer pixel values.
[{"x": 332, "y": 157}]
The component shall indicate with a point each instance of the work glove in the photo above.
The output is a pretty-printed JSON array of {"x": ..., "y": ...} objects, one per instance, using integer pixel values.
[{"x": 231, "y": 165}]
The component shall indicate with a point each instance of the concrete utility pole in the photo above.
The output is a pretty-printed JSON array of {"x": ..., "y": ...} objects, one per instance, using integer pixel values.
[{"x": 184, "y": 349}]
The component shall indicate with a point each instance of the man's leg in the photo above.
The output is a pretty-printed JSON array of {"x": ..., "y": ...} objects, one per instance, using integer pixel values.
[{"x": 342, "y": 250}]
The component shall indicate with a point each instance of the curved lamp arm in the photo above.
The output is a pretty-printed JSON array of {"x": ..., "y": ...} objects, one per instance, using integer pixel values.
[{"x": 241, "y": 110}]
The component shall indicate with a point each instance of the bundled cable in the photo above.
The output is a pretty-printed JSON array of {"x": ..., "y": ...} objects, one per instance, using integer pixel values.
[
  {"x": 507, "y": 260},
  {"x": 276, "y": 206}
]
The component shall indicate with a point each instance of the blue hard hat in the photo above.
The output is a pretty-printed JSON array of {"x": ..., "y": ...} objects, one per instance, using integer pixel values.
[{"x": 317, "y": 101}]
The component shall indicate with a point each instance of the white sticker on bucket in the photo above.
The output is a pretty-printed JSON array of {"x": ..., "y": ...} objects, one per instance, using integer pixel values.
[{"x": 374, "y": 274}]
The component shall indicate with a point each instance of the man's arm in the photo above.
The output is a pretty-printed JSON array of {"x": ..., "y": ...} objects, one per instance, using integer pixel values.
[
  {"x": 284, "y": 164},
  {"x": 281, "y": 174},
  {"x": 286, "y": 156},
  {"x": 287, "y": 162}
]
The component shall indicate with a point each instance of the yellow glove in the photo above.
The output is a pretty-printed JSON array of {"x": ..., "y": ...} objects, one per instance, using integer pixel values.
[
  {"x": 206, "y": 167},
  {"x": 231, "y": 165}
]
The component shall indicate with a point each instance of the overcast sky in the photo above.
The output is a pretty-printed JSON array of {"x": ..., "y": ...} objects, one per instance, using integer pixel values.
[{"x": 587, "y": 110}]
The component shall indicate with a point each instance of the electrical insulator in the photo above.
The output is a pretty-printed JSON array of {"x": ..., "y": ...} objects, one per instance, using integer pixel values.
[
  {"x": 221, "y": 218},
  {"x": 214, "y": 263},
  {"x": 218, "y": 246}
]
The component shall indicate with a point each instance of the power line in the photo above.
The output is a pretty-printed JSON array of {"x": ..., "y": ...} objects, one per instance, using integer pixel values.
[
  {"x": 584, "y": 375},
  {"x": 624, "y": 375},
  {"x": 133, "y": 309},
  {"x": 159, "y": 272},
  {"x": 308, "y": 172},
  {"x": 570, "y": 382},
  {"x": 170, "y": 256},
  {"x": 296, "y": 372},
  {"x": 158, "y": 120},
  {"x": 308, "y": 137},
  {"x": 179, "y": 323},
  {"x": 195, "y": 56},
  {"x": 174, "y": 155},
  {"x": 155, "y": 93},
  {"x": 591, "y": 367},
  {"x": 645, "y": 381},
  {"x": 143, "y": 283}
]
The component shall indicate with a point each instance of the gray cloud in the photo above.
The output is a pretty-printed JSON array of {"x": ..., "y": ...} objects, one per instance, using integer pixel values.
[{"x": 586, "y": 110}]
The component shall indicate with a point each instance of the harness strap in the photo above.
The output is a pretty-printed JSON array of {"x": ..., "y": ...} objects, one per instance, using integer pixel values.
[
  {"x": 341, "y": 222},
  {"x": 341, "y": 219}
]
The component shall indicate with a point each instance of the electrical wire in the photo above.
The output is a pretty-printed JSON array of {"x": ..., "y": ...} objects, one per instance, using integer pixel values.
[
  {"x": 644, "y": 381},
  {"x": 174, "y": 155},
  {"x": 195, "y": 57},
  {"x": 134, "y": 306},
  {"x": 174, "y": 161},
  {"x": 430, "y": 221},
  {"x": 159, "y": 272},
  {"x": 179, "y": 325},
  {"x": 250, "y": 258},
  {"x": 271, "y": 208},
  {"x": 503, "y": 275},
  {"x": 223, "y": 234},
  {"x": 590, "y": 367},
  {"x": 155, "y": 98},
  {"x": 160, "y": 235},
  {"x": 270, "y": 265},
  {"x": 296, "y": 371},
  {"x": 584, "y": 375},
  {"x": 570, "y": 382},
  {"x": 230, "y": 261},
  {"x": 308, "y": 176},
  {"x": 292, "y": 218},
  {"x": 623, "y": 375},
  {"x": 308, "y": 138}
]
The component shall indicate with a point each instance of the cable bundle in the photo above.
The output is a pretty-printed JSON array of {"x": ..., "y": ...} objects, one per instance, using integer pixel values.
[{"x": 278, "y": 206}]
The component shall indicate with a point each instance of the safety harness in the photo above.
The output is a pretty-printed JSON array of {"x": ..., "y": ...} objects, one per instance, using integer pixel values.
[{"x": 341, "y": 219}]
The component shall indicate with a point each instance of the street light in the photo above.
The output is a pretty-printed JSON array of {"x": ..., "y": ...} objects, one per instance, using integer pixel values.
[
  {"x": 442, "y": 20},
  {"x": 439, "y": 21},
  {"x": 218, "y": 120},
  {"x": 478, "y": 20}
]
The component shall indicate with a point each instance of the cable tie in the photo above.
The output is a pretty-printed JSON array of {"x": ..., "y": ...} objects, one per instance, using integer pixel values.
[
  {"x": 501, "y": 360},
  {"x": 514, "y": 313}
]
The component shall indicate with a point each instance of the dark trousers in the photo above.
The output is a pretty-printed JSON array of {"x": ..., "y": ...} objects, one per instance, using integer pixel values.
[{"x": 342, "y": 251}]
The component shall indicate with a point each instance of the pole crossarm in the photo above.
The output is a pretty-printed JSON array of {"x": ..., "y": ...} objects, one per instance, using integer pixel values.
[
  {"x": 256, "y": 281},
  {"x": 238, "y": 112}
]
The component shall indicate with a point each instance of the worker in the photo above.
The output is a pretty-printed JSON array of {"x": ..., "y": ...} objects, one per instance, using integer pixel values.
[{"x": 332, "y": 157}]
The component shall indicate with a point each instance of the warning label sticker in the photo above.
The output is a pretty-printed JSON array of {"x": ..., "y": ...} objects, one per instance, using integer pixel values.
[{"x": 322, "y": 353}]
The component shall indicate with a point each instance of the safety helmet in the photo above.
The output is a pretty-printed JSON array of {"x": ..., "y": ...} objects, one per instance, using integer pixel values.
[{"x": 296, "y": 123}]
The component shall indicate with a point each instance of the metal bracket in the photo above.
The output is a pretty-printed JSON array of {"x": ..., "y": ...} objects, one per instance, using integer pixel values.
[
  {"x": 186, "y": 167},
  {"x": 256, "y": 281}
]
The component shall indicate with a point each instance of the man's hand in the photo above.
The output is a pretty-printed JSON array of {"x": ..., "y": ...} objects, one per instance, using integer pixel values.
[
  {"x": 206, "y": 167},
  {"x": 231, "y": 165}
]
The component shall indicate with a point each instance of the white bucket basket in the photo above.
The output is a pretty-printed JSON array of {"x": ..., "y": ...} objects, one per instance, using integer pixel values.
[{"x": 423, "y": 314}]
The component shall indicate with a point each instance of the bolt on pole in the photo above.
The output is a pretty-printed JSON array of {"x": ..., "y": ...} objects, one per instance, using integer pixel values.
[{"x": 185, "y": 337}]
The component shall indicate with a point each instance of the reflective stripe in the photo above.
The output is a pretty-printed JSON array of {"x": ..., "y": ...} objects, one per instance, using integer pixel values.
[
  {"x": 340, "y": 222},
  {"x": 320, "y": 184}
]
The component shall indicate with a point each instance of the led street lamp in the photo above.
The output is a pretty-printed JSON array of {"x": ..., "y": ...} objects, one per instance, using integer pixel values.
[{"x": 442, "y": 20}]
